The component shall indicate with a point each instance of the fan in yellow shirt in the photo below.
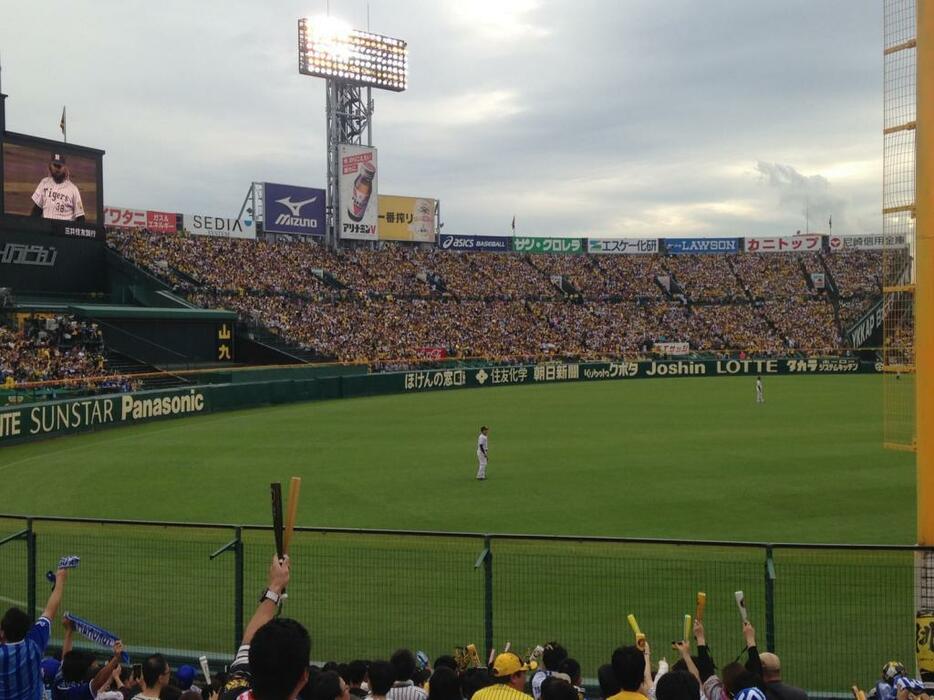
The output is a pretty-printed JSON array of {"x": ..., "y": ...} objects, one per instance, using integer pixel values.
[
  {"x": 509, "y": 678},
  {"x": 633, "y": 671}
]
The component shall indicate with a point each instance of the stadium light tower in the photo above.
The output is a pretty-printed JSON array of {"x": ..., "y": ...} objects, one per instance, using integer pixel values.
[{"x": 349, "y": 60}]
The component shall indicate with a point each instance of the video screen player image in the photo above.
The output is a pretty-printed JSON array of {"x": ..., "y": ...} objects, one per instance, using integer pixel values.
[{"x": 59, "y": 183}]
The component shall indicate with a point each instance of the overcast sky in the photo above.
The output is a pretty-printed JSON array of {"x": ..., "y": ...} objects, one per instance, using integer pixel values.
[{"x": 579, "y": 117}]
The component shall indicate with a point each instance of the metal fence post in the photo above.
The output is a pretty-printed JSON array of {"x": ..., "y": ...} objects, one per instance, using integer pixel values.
[
  {"x": 769, "y": 600},
  {"x": 235, "y": 545},
  {"x": 238, "y": 588},
  {"x": 30, "y": 570},
  {"x": 488, "y": 594},
  {"x": 486, "y": 560}
]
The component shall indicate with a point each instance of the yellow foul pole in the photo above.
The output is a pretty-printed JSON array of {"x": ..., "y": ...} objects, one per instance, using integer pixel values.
[{"x": 924, "y": 281}]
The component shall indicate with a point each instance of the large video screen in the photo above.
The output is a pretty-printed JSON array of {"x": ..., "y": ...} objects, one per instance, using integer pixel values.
[{"x": 24, "y": 167}]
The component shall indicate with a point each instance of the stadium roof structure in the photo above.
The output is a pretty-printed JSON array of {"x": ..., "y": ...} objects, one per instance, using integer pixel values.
[{"x": 151, "y": 313}]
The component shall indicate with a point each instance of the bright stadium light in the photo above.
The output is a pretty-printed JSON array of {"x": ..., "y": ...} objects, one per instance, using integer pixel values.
[{"x": 331, "y": 49}]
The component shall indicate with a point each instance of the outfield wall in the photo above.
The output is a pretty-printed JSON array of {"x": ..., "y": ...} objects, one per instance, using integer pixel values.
[{"x": 68, "y": 416}]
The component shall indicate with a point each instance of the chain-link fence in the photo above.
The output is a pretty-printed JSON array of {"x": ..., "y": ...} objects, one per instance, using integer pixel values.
[
  {"x": 899, "y": 169},
  {"x": 834, "y": 614}
]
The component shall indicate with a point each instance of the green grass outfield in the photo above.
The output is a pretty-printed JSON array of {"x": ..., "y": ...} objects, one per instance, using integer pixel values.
[
  {"x": 684, "y": 458},
  {"x": 687, "y": 458}
]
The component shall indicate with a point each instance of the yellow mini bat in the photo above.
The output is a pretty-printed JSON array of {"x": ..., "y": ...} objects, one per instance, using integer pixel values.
[{"x": 701, "y": 604}]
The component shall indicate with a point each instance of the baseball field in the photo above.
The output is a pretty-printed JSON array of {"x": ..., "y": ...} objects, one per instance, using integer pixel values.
[{"x": 690, "y": 458}]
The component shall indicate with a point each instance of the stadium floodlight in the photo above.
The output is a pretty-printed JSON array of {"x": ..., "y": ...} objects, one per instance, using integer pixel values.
[{"x": 329, "y": 48}]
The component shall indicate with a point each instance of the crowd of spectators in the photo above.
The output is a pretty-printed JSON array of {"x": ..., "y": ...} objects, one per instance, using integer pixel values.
[
  {"x": 705, "y": 277},
  {"x": 377, "y": 305},
  {"x": 776, "y": 276},
  {"x": 858, "y": 277},
  {"x": 805, "y": 325},
  {"x": 50, "y": 348},
  {"x": 230, "y": 264},
  {"x": 273, "y": 662}
]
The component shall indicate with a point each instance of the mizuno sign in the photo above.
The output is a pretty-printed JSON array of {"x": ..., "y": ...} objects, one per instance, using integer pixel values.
[{"x": 295, "y": 210}]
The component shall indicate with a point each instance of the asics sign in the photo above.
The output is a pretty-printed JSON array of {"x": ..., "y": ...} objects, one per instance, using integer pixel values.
[
  {"x": 293, "y": 209},
  {"x": 452, "y": 241}
]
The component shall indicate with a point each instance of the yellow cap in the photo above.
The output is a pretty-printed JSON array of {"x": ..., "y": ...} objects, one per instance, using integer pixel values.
[{"x": 508, "y": 663}]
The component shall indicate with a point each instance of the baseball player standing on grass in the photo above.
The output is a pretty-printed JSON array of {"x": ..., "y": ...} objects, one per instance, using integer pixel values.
[{"x": 482, "y": 452}]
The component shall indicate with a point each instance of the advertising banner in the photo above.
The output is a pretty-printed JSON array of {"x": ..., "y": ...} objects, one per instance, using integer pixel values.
[
  {"x": 357, "y": 182},
  {"x": 924, "y": 643},
  {"x": 645, "y": 369},
  {"x": 684, "y": 246},
  {"x": 293, "y": 209},
  {"x": 433, "y": 353},
  {"x": 207, "y": 225},
  {"x": 116, "y": 217},
  {"x": 784, "y": 244},
  {"x": 861, "y": 331},
  {"x": 162, "y": 221},
  {"x": 672, "y": 348},
  {"x": 407, "y": 218},
  {"x": 563, "y": 246},
  {"x": 623, "y": 246},
  {"x": 867, "y": 242},
  {"x": 458, "y": 241},
  {"x": 90, "y": 413}
]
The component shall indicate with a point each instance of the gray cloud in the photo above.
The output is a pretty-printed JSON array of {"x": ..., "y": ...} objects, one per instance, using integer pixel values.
[
  {"x": 810, "y": 197},
  {"x": 623, "y": 118}
]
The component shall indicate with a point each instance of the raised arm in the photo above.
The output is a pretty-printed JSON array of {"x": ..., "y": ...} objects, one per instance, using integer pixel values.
[
  {"x": 684, "y": 649},
  {"x": 753, "y": 663},
  {"x": 55, "y": 599},
  {"x": 69, "y": 640},
  {"x": 103, "y": 676},
  {"x": 647, "y": 681},
  {"x": 276, "y": 582},
  {"x": 705, "y": 665}
]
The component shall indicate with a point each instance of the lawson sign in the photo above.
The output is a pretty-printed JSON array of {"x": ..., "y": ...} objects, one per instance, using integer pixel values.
[
  {"x": 293, "y": 209},
  {"x": 458, "y": 241},
  {"x": 694, "y": 246}
]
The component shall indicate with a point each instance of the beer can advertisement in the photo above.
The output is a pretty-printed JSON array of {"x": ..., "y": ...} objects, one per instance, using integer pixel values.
[
  {"x": 357, "y": 180},
  {"x": 407, "y": 218}
]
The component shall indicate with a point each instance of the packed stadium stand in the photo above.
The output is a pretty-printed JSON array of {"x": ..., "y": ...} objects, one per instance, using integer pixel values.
[
  {"x": 51, "y": 349},
  {"x": 403, "y": 302}
]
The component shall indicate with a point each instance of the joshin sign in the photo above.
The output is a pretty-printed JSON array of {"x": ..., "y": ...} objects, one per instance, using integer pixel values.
[{"x": 359, "y": 199}]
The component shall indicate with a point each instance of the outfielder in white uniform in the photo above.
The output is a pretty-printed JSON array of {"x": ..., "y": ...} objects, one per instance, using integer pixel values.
[
  {"x": 759, "y": 396},
  {"x": 57, "y": 197},
  {"x": 482, "y": 452}
]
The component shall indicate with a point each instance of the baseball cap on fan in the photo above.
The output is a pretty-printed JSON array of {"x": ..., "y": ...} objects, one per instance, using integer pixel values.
[
  {"x": 509, "y": 663},
  {"x": 49, "y": 668},
  {"x": 750, "y": 694},
  {"x": 58, "y": 158},
  {"x": 186, "y": 675}
]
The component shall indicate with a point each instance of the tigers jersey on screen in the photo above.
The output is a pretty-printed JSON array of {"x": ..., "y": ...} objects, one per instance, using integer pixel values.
[{"x": 58, "y": 200}]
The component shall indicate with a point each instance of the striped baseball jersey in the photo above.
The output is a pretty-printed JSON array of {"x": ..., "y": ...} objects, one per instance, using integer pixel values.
[
  {"x": 406, "y": 690},
  {"x": 58, "y": 200},
  {"x": 20, "y": 670},
  {"x": 500, "y": 691}
]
